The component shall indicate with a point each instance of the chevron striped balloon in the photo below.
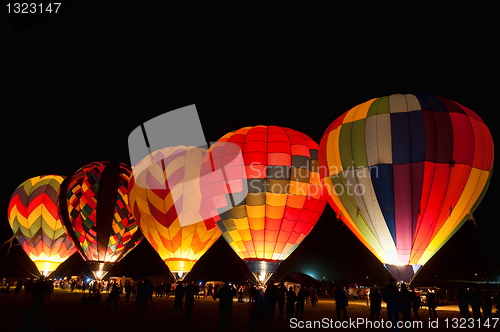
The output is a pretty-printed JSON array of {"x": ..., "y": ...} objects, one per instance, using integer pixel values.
[
  {"x": 165, "y": 199},
  {"x": 34, "y": 219},
  {"x": 97, "y": 216}
]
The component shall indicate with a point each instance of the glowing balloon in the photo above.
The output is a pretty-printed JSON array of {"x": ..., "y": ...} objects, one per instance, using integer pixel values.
[
  {"x": 285, "y": 197},
  {"x": 404, "y": 172},
  {"x": 166, "y": 201},
  {"x": 34, "y": 219},
  {"x": 96, "y": 214}
]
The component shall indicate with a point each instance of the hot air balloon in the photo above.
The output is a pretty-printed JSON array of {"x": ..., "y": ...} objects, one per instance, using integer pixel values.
[
  {"x": 96, "y": 214},
  {"x": 166, "y": 201},
  {"x": 284, "y": 201},
  {"x": 404, "y": 172},
  {"x": 34, "y": 219}
]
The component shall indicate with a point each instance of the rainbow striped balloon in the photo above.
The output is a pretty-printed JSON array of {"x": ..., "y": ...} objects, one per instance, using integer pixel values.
[
  {"x": 404, "y": 172},
  {"x": 34, "y": 219}
]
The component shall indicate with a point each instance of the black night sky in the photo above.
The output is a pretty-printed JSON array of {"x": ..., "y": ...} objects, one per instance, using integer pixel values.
[{"x": 77, "y": 85}]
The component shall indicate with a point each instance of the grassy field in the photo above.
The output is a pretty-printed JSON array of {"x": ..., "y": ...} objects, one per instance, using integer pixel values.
[{"x": 63, "y": 312}]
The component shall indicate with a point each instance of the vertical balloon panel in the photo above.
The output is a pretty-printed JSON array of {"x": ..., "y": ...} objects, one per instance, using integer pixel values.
[{"x": 403, "y": 172}]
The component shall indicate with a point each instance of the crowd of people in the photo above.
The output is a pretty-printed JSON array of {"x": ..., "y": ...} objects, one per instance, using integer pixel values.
[{"x": 275, "y": 301}]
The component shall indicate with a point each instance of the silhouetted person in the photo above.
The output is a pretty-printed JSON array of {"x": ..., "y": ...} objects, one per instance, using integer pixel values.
[
  {"x": 415, "y": 303},
  {"x": 487, "y": 305},
  {"x": 340, "y": 302},
  {"x": 19, "y": 286},
  {"x": 475, "y": 302},
  {"x": 314, "y": 296},
  {"x": 113, "y": 297},
  {"x": 225, "y": 296},
  {"x": 253, "y": 294},
  {"x": 128, "y": 290},
  {"x": 28, "y": 288},
  {"x": 375, "y": 303},
  {"x": 301, "y": 297},
  {"x": 49, "y": 288},
  {"x": 281, "y": 299},
  {"x": 291, "y": 298},
  {"x": 97, "y": 297},
  {"x": 190, "y": 290},
  {"x": 405, "y": 302},
  {"x": 270, "y": 300},
  {"x": 431, "y": 303},
  {"x": 463, "y": 302},
  {"x": 390, "y": 294},
  {"x": 144, "y": 293},
  {"x": 179, "y": 293},
  {"x": 39, "y": 290}
]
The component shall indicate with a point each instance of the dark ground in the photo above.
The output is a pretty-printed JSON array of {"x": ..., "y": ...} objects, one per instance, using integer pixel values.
[{"x": 63, "y": 312}]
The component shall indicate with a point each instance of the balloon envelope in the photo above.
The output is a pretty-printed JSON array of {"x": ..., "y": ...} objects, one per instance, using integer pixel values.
[
  {"x": 404, "y": 172},
  {"x": 35, "y": 220},
  {"x": 274, "y": 203},
  {"x": 166, "y": 201},
  {"x": 95, "y": 212}
]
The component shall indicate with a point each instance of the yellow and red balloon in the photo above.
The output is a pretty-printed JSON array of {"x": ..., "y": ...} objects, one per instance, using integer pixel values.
[
  {"x": 268, "y": 204},
  {"x": 165, "y": 199}
]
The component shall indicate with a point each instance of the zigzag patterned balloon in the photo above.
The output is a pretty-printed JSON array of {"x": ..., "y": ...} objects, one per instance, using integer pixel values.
[
  {"x": 166, "y": 200},
  {"x": 34, "y": 219}
]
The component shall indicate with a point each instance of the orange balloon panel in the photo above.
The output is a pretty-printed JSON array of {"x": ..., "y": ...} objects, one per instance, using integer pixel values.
[
  {"x": 166, "y": 201},
  {"x": 278, "y": 200}
]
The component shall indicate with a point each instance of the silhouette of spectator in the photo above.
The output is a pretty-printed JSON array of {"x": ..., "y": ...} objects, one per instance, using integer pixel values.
[
  {"x": 281, "y": 299},
  {"x": 390, "y": 294},
  {"x": 487, "y": 304},
  {"x": 39, "y": 290},
  {"x": 253, "y": 293},
  {"x": 179, "y": 293},
  {"x": 375, "y": 303},
  {"x": 291, "y": 298},
  {"x": 241, "y": 292},
  {"x": 225, "y": 296},
  {"x": 475, "y": 302},
  {"x": 144, "y": 293},
  {"x": 97, "y": 297},
  {"x": 19, "y": 286},
  {"x": 28, "y": 288},
  {"x": 270, "y": 300},
  {"x": 431, "y": 303},
  {"x": 301, "y": 296},
  {"x": 415, "y": 303},
  {"x": 113, "y": 297},
  {"x": 463, "y": 302},
  {"x": 405, "y": 303},
  {"x": 340, "y": 302},
  {"x": 314, "y": 296},
  {"x": 128, "y": 291},
  {"x": 49, "y": 288},
  {"x": 190, "y": 291}
]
